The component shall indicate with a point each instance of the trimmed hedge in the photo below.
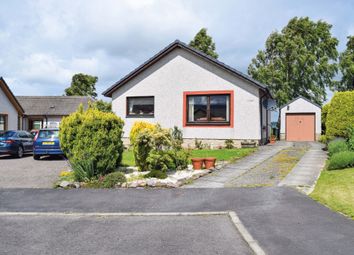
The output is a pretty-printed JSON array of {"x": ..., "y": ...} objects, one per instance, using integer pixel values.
[
  {"x": 340, "y": 115},
  {"x": 93, "y": 136},
  {"x": 324, "y": 113},
  {"x": 337, "y": 146},
  {"x": 341, "y": 160}
]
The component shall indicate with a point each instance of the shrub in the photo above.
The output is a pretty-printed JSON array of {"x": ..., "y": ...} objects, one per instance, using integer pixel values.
[
  {"x": 340, "y": 115},
  {"x": 160, "y": 160},
  {"x": 351, "y": 138},
  {"x": 229, "y": 144},
  {"x": 142, "y": 146},
  {"x": 113, "y": 179},
  {"x": 177, "y": 138},
  {"x": 324, "y": 113},
  {"x": 180, "y": 158},
  {"x": 341, "y": 160},
  {"x": 84, "y": 170},
  {"x": 160, "y": 150},
  {"x": 156, "y": 174},
  {"x": 337, "y": 146},
  {"x": 323, "y": 139},
  {"x": 94, "y": 136},
  {"x": 137, "y": 128}
]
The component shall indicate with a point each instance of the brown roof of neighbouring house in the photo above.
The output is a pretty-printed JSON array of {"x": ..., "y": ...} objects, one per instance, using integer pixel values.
[
  {"x": 182, "y": 45},
  {"x": 52, "y": 105},
  {"x": 10, "y": 95}
]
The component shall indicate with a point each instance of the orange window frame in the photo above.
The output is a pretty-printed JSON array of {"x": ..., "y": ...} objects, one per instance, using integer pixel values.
[{"x": 208, "y": 93}]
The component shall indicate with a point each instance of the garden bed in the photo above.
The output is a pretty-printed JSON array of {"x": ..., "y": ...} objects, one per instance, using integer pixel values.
[{"x": 137, "y": 179}]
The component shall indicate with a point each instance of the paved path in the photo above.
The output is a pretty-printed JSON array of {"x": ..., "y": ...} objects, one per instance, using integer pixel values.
[
  {"x": 280, "y": 219},
  {"x": 306, "y": 172},
  {"x": 221, "y": 178},
  {"x": 29, "y": 173}
]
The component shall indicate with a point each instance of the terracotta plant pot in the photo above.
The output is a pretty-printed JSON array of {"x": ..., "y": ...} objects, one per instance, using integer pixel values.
[
  {"x": 209, "y": 162},
  {"x": 197, "y": 163}
]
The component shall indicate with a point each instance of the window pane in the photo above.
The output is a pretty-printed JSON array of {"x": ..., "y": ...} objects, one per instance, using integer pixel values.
[
  {"x": 219, "y": 108},
  {"x": 2, "y": 123},
  {"x": 141, "y": 106},
  {"x": 37, "y": 124},
  {"x": 197, "y": 108},
  {"x": 49, "y": 134}
]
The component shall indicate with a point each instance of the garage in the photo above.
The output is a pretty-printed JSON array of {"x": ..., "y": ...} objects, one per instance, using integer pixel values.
[
  {"x": 300, "y": 120},
  {"x": 300, "y": 127}
]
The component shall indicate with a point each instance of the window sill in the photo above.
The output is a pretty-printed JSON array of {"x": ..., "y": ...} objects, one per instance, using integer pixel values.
[
  {"x": 208, "y": 124},
  {"x": 140, "y": 116}
]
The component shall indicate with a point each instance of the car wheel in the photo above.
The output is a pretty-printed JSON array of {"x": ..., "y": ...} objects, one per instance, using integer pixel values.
[
  {"x": 36, "y": 157},
  {"x": 20, "y": 152}
]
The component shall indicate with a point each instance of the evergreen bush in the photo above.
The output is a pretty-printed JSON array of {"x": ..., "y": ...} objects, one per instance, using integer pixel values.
[
  {"x": 340, "y": 115},
  {"x": 93, "y": 136}
]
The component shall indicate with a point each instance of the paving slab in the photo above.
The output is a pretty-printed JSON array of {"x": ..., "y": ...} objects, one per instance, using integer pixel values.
[
  {"x": 221, "y": 178},
  {"x": 306, "y": 172}
]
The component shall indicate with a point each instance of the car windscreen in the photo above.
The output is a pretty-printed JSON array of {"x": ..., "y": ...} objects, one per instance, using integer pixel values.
[
  {"x": 8, "y": 134},
  {"x": 49, "y": 134}
]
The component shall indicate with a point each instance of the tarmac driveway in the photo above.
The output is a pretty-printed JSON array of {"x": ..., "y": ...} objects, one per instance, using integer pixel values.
[{"x": 29, "y": 173}]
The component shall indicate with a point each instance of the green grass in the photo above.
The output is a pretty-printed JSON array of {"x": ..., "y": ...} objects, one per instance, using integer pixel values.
[
  {"x": 335, "y": 189},
  {"x": 128, "y": 158},
  {"x": 219, "y": 154},
  {"x": 222, "y": 154}
]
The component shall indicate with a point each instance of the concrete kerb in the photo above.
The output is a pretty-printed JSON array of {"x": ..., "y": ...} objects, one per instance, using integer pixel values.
[{"x": 235, "y": 220}]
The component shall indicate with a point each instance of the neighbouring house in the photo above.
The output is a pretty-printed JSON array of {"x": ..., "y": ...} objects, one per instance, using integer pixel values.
[
  {"x": 181, "y": 86},
  {"x": 47, "y": 111},
  {"x": 35, "y": 112},
  {"x": 11, "y": 111},
  {"x": 300, "y": 120}
]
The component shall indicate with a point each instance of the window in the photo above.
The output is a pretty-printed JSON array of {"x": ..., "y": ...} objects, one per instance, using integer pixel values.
[
  {"x": 3, "y": 122},
  {"x": 48, "y": 134},
  {"x": 208, "y": 108},
  {"x": 140, "y": 106}
]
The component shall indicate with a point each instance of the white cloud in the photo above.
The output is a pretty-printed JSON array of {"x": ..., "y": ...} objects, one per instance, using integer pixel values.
[{"x": 44, "y": 42}]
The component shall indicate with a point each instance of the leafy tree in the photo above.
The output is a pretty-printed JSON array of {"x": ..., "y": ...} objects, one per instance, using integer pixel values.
[
  {"x": 298, "y": 61},
  {"x": 82, "y": 85},
  {"x": 203, "y": 42},
  {"x": 346, "y": 66},
  {"x": 103, "y": 106}
]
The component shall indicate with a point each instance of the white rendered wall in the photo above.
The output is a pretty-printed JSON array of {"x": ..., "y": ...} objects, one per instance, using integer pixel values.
[
  {"x": 300, "y": 106},
  {"x": 181, "y": 71},
  {"x": 6, "y": 107}
]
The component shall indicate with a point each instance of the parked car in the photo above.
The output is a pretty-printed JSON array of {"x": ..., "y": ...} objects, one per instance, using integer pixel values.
[
  {"x": 34, "y": 132},
  {"x": 46, "y": 142},
  {"x": 16, "y": 142}
]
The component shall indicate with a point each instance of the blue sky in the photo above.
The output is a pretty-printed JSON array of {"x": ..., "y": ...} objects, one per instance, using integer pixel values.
[{"x": 43, "y": 43}]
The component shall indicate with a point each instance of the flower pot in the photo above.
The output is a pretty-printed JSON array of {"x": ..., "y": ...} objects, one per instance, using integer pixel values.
[
  {"x": 197, "y": 163},
  {"x": 209, "y": 162}
]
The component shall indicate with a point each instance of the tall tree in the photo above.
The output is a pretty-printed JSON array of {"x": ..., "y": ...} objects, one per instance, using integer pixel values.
[
  {"x": 346, "y": 66},
  {"x": 103, "y": 106},
  {"x": 82, "y": 85},
  {"x": 204, "y": 42},
  {"x": 298, "y": 61}
]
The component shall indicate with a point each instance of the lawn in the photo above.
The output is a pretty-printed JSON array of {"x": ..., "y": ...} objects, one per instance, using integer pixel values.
[
  {"x": 219, "y": 154},
  {"x": 335, "y": 189}
]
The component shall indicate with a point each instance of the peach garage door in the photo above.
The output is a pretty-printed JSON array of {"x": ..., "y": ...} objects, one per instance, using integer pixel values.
[{"x": 300, "y": 127}]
